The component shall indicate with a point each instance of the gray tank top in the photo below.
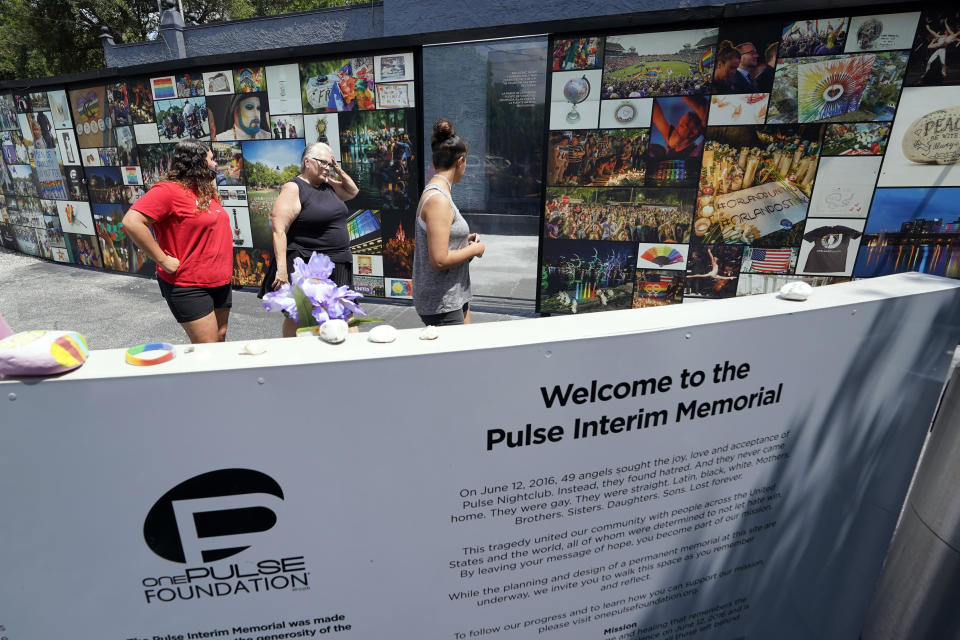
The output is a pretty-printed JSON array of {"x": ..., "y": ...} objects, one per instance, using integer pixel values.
[{"x": 439, "y": 291}]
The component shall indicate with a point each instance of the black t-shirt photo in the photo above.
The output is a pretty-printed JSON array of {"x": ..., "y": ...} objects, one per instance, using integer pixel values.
[{"x": 829, "y": 251}]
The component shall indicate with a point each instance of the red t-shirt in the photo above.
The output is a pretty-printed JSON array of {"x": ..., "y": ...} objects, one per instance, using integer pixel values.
[{"x": 200, "y": 239}]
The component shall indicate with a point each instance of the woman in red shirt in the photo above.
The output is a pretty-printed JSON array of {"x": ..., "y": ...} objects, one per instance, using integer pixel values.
[{"x": 193, "y": 248}]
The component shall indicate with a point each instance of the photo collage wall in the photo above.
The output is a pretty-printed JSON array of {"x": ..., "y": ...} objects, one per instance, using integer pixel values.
[
  {"x": 729, "y": 160},
  {"x": 75, "y": 159}
]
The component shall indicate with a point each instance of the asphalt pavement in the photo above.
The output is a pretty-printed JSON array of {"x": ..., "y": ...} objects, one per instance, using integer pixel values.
[{"x": 113, "y": 310}]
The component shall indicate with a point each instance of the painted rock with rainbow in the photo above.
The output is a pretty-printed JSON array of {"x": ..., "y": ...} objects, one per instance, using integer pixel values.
[{"x": 39, "y": 352}]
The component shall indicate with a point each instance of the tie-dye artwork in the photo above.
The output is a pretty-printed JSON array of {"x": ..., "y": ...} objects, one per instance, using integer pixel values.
[{"x": 832, "y": 88}]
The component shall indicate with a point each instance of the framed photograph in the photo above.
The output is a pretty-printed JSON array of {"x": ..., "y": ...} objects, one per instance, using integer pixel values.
[
  {"x": 84, "y": 249},
  {"x": 90, "y": 157},
  {"x": 163, "y": 88},
  {"x": 118, "y": 104},
  {"x": 331, "y": 85},
  {"x": 59, "y": 109},
  {"x": 394, "y": 95},
  {"x": 182, "y": 118},
  {"x": 240, "y": 226},
  {"x": 146, "y": 133},
  {"x": 712, "y": 271},
  {"x": 131, "y": 175},
  {"x": 844, "y": 187},
  {"x": 882, "y": 32},
  {"x": 746, "y": 55},
  {"x": 738, "y": 109},
  {"x": 67, "y": 144},
  {"x": 393, "y": 67},
  {"x": 367, "y": 265},
  {"x": 283, "y": 88},
  {"x": 399, "y": 288},
  {"x": 572, "y": 54},
  {"x": 241, "y": 116},
  {"x": 91, "y": 117},
  {"x": 830, "y": 246},
  {"x": 8, "y": 113},
  {"x": 646, "y": 65},
  {"x": 657, "y": 288},
  {"x": 249, "y": 79},
  {"x": 629, "y": 113},
  {"x": 856, "y": 139},
  {"x": 250, "y": 266},
  {"x": 839, "y": 88},
  {"x": 229, "y": 157},
  {"x": 911, "y": 229},
  {"x": 75, "y": 216},
  {"x": 323, "y": 127},
  {"x": 582, "y": 276},
  {"x": 813, "y": 37},
  {"x": 286, "y": 126},
  {"x": 755, "y": 183},
  {"x": 924, "y": 147},
  {"x": 935, "y": 57},
  {"x": 575, "y": 100},
  {"x": 140, "y": 99},
  {"x": 189, "y": 86},
  {"x": 604, "y": 158},
  {"x": 670, "y": 257},
  {"x": 218, "y": 82}
]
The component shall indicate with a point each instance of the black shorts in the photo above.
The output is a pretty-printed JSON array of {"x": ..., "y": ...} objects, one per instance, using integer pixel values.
[
  {"x": 444, "y": 319},
  {"x": 192, "y": 303}
]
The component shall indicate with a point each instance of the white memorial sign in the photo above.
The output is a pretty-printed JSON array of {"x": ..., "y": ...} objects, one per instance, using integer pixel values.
[{"x": 666, "y": 477}]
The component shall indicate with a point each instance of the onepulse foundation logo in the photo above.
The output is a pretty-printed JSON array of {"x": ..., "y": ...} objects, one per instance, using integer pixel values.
[{"x": 212, "y": 517}]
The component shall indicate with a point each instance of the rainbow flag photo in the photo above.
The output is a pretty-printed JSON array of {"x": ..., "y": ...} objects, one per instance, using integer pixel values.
[
  {"x": 163, "y": 88},
  {"x": 706, "y": 60}
]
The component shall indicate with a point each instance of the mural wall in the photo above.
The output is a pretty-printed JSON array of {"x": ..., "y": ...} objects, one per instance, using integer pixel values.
[
  {"x": 74, "y": 159},
  {"x": 728, "y": 160},
  {"x": 697, "y": 163}
]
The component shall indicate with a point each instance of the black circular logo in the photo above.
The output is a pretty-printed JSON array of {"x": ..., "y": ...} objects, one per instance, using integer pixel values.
[{"x": 211, "y": 516}]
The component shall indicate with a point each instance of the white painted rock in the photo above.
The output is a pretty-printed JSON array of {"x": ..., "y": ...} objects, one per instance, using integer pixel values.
[
  {"x": 334, "y": 331},
  {"x": 934, "y": 138},
  {"x": 382, "y": 333},
  {"x": 249, "y": 349},
  {"x": 429, "y": 333},
  {"x": 38, "y": 353},
  {"x": 798, "y": 290}
]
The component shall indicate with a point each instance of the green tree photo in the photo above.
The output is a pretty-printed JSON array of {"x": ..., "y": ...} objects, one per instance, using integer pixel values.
[{"x": 53, "y": 37}]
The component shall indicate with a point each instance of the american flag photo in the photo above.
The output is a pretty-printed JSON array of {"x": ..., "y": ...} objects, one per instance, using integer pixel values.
[{"x": 768, "y": 260}]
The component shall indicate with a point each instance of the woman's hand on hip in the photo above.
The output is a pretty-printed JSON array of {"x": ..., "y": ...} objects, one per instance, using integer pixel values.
[{"x": 169, "y": 264}]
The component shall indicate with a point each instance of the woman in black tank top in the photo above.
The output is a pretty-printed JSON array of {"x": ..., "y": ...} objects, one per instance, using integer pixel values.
[{"x": 310, "y": 215}]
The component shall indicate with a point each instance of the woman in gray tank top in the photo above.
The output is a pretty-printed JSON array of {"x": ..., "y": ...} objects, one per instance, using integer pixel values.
[{"x": 444, "y": 245}]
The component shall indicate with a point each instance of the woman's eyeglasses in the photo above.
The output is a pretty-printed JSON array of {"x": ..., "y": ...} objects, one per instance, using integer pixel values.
[{"x": 324, "y": 163}]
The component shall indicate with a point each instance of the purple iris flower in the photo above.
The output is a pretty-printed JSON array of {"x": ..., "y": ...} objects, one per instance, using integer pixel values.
[
  {"x": 281, "y": 300},
  {"x": 319, "y": 266},
  {"x": 313, "y": 279}
]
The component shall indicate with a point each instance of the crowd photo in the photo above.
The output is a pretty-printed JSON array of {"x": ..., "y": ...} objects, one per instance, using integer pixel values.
[
  {"x": 814, "y": 38},
  {"x": 618, "y": 216},
  {"x": 679, "y": 63},
  {"x": 377, "y": 148},
  {"x": 609, "y": 157}
]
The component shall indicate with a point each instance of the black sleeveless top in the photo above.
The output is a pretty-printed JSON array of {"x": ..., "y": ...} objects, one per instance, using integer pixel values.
[{"x": 322, "y": 223}]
